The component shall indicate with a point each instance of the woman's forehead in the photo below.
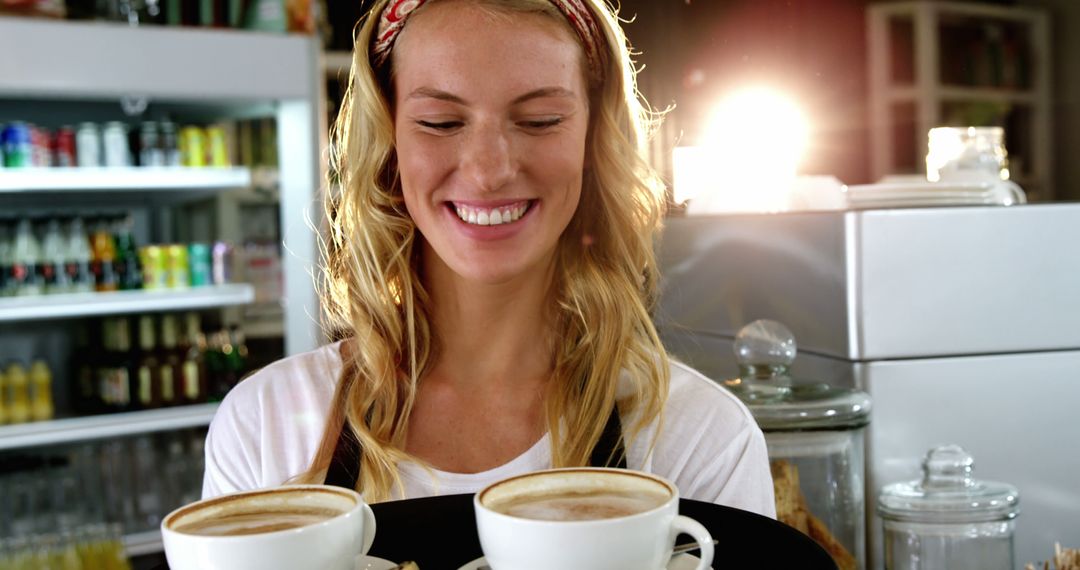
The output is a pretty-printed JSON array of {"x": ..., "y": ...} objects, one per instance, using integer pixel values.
[{"x": 466, "y": 45}]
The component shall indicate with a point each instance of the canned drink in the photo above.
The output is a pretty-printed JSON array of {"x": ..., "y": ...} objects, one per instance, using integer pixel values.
[
  {"x": 150, "y": 150},
  {"x": 115, "y": 141},
  {"x": 199, "y": 259},
  {"x": 64, "y": 147},
  {"x": 170, "y": 148},
  {"x": 176, "y": 267},
  {"x": 217, "y": 146},
  {"x": 88, "y": 145},
  {"x": 155, "y": 274},
  {"x": 192, "y": 147},
  {"x": 41, "y": 151},
  {"x": 222, "y": 263},
  {"x": 18, "y": 145}
]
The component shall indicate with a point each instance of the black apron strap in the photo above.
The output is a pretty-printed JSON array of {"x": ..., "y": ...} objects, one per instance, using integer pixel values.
[
  {"x": 609, "y": 451},
  {"x": 344, "y": 470}
]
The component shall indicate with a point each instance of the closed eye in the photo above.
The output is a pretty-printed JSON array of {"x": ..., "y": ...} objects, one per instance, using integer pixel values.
[
  {"x": 440, "y": 125},
  {"x": 541, "y": 124}
]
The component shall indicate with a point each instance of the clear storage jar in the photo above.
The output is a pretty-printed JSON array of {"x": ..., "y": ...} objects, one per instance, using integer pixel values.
[
  {"x": 948, "y": 519},
  {"x": 815, "y": 436}
]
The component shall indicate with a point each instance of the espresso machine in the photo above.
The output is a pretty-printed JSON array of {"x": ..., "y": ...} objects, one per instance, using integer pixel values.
[{"x": 961, "y": 323}]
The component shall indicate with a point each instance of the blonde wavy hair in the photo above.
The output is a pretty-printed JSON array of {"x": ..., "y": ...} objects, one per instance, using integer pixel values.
[{"x": 604, "y": 285}]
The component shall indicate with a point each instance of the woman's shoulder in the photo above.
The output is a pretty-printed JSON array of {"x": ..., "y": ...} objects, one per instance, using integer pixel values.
[
  {"x": 300, "y": 378},
  {"x": 693, "y": 394},
  {"x": 317, "y": 369}
]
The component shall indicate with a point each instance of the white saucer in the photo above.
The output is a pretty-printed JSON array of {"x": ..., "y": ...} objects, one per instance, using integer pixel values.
[
  {"x": 373, "y": 563},
  {"x": 680, "y": 562}
]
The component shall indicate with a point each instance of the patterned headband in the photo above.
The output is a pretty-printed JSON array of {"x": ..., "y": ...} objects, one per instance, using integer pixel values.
[{"x": 397, "y": 11}]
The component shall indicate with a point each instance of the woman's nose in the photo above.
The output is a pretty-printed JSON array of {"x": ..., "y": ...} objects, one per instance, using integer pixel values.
[{"x": 487, "y": 158}]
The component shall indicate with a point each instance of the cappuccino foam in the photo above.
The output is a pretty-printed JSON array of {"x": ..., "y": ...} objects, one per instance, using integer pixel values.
[
  {"x": 256, "y": 522},
  {"x": 579, "y": 505}
]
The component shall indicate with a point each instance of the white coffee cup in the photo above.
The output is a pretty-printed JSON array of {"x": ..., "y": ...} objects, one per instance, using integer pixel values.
[
  {"x": 513, "y": 518},
  {"x": 328, "y": 527}
]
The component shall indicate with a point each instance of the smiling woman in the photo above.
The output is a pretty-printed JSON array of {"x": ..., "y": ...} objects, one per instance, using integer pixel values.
[{"x": 491, "y": 254}]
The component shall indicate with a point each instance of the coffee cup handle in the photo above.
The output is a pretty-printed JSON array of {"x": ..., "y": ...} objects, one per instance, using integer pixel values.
[
  {"x": 369, "y": 528},
  {"x": 701, "y": 535}
]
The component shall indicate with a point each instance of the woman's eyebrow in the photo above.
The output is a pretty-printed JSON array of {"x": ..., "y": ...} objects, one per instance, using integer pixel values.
[
  {"x": 432, "y": 93},
  {"x": 545, "y": 92}
]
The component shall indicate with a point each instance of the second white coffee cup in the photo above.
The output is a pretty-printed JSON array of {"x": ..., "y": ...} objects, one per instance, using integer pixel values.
[{"x": 600, "y": 519}]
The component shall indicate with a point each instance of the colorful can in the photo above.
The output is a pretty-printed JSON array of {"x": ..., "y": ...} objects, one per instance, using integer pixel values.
[
  {"x": 88, "y": 145},
  {"x": 41, "y": 150},
  {"x": 64, "y": 147},
  {"x": 199, "y": 258},
  {"x": 192, "y": 147},
  {"x": 218, "y": 150},
  {"x": 176, "y": 267},
  {"x": 18, "y": 145},
  {"x": 115, "y": 142},
  {"x": 222, "y": 263},
  {"x": 155, "y": 274}
]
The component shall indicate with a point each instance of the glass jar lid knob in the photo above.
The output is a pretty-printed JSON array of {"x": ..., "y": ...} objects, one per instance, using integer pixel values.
[
  {"x": 764, "y": 348},
  {"x": 948, "y": 467}
]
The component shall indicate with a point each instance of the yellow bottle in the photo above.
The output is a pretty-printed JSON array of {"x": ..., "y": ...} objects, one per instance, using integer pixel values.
[
  {"x": 3, "y": 398},
  {"x": 41, "y": 406},
  {"x": 18, "y": 394}
]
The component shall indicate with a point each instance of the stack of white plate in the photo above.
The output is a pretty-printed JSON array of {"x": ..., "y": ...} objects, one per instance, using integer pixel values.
[{"x": 933, "y": 194}]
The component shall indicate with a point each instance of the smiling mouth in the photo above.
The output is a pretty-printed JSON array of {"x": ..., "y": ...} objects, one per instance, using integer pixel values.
[{"x": 478, "y": 216}]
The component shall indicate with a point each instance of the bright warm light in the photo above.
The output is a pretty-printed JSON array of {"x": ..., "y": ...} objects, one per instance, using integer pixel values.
[{"x": 749, "y": 156}]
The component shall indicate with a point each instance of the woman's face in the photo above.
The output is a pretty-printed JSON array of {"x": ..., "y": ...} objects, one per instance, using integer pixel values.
[{"x": 490, "y": 120}]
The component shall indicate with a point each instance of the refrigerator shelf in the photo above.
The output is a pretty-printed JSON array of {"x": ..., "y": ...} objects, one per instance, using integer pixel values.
[
  {"x": 123, "y": 302},
  {"x": 143, "y": 543},
  {"x": 72, "y": 430},
  {"x": 135, "y": 179}
]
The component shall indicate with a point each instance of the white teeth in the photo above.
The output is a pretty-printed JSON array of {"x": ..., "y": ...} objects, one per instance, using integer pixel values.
[{"x": 493, "y": 216}]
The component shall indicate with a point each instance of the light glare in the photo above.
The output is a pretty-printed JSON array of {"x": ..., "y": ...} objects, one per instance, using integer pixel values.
[{"x": 749, "y": 156}]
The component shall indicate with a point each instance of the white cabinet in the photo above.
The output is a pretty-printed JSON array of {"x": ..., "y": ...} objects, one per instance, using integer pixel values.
[
  {"x": 960, "y": 64},
  {"x": 62, "y": 71}
]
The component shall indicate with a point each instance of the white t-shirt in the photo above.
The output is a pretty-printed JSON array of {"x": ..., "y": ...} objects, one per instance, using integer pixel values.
[{"x": 269, "y": 426}]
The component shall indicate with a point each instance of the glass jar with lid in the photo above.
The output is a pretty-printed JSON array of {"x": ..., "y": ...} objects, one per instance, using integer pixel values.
[
  {"x": 815, "y": 436},
  {"x": 948, "y": 519}
]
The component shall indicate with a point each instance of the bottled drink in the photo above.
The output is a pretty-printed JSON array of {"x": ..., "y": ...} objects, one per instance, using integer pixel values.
[
  {"x": 79, "y": 256},
  {"x": 85, "y": 360},
  {"x": 170, "y": 146},
  {"x": 150, "y": 151},
  {"x": 149, "y": 374},
  {"x": 193, "y": 347},
  {"x": 41, "y": 403},
  {"x": 115, "y": 145},
  {"x": 172, "y": 389},
  {"x": 129, "y": 269},
  {"x": 3, "y": 398},
  {"x": 25, "y": 257},
  {"x": 149, "y": 486},
  {"x": 54, "y": 259},
  {"x": 18, "y": 408},
  {"x": 104, "y": 256},
  {"x": 116, "y": 374},
  {"x": 237, "y": 357},
  {"x": 217, "y": 367},
  {"x": 88, "y": 145},
  {"x": 7, "y": 283}
]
